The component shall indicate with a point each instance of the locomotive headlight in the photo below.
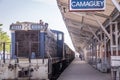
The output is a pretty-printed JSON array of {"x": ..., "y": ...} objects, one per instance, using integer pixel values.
[
  {"x": 16, "y": 27},
  {"x": 36, "y": 27},
  {"x": 39, "y": 27}
]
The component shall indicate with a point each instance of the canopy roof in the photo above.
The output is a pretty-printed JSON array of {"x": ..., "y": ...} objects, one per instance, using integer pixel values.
[{"x": 82, "y": 25}]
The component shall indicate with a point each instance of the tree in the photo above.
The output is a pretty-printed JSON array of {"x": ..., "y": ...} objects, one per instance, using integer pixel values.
[
  {"x": 1, "y": 24},
  {"x": 4, "y": 38}
]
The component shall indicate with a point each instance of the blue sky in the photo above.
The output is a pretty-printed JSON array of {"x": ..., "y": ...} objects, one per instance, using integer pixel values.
[{"x": 32, "y": 10}]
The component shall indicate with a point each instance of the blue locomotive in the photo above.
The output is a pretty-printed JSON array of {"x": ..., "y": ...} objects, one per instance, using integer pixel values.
[{"x": 36, "y": 52}]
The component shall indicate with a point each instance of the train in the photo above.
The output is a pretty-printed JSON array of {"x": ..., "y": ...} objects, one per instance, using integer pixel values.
[{"x": 37, "y": 52}]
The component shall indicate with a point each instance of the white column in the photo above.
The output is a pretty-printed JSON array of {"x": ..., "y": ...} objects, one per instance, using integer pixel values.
[{"x": 117, "y": 5}]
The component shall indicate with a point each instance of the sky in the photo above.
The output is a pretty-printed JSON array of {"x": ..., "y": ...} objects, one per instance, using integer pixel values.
[{"x": 12, "y": 11}]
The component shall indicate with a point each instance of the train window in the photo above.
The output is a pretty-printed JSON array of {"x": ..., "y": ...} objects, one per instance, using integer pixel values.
[{"x": 60, "y": 36}]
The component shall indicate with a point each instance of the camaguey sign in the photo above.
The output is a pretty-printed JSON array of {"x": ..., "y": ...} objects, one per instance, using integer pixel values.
[{"x": 87, "y": 5}]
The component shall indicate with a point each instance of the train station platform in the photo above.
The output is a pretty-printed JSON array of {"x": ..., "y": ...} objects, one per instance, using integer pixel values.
[{"x": 80, "y": 70}]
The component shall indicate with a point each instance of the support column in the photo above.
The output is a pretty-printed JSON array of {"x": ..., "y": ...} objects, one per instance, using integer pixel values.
[
  {"x": 96, "y": 53},
  {"x": 111, "y": 39},
  {"x": 13, "y": 56},
  {"x": 42, "y": 44},
  {"x": 92, "y": 51},
  {"x": 114, "y": 50},
  {"x": 114, "y": 44},
  {"x": 117, "y": 75},
  {"x": 105, "y": 53},
  {"x": 116, "y": 38}
]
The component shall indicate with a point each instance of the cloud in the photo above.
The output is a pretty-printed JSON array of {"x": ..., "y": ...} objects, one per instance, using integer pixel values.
[{"x": 48, "y": 2}]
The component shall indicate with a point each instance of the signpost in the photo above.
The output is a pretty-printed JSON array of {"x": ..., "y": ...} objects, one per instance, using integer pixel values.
[{"x": 87, "y": 5}]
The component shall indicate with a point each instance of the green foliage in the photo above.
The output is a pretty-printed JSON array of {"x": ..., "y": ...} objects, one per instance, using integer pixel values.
[
  {"x": 4, "y": 38},
  {"x": 1, "y": 24}
]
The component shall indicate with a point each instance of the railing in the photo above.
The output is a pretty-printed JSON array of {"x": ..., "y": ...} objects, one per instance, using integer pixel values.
[{"x": 7, "y": 56}]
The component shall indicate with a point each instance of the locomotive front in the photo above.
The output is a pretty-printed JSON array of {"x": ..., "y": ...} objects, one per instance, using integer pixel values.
[
  {"x": 30, "y": 52},
  {"x": 27, "y": 39},
  {"x": 36, "y": 53}
]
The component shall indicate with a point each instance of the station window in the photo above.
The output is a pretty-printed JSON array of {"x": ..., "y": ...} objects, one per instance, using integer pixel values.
[{"x": 60, "y": 36}]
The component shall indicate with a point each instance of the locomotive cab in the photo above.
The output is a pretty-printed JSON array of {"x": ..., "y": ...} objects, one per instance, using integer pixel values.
[{"x": 36, "y": 51}]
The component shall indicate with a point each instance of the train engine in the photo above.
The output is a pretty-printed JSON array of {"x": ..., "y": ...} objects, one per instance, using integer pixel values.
[{"x": 36, "y": 52}]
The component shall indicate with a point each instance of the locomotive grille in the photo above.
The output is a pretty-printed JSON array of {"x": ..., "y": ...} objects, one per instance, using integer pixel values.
[{"x": 26, "y": 43}]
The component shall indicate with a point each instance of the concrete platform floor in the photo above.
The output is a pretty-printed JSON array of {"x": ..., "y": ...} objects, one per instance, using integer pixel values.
[{"x": 80, "y": 70}]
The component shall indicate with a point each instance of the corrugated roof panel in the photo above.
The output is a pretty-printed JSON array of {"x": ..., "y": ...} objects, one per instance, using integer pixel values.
[{"x": 73, "y": 17}]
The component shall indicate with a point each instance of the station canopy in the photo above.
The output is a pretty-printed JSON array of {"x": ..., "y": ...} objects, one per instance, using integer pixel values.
[{"x": 82, "y": 25}]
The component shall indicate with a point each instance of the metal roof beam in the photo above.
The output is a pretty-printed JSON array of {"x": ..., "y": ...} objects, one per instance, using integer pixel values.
[
  {"x": 80, "y": 36},
  {"x": 73, "y": 20},
  {"x": 83, "y": 15},
  {"x": 83, "y": 34},
  {"x": 77, "y": 26},
  {"x": 81, "y": 31},
  {"x": 117, "y": 5},
  {"x": 94, "y": 34},
  {"x": 114, "y": 16},
  {"x": 101, "y": 15},
  {"x": 80, "y": 28},
  {"x": 103, "y": 28},
  {"x": 72, "y": 29}
]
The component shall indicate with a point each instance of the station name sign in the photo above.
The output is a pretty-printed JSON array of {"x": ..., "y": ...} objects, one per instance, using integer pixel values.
[{"x": 87, "y": 5}]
